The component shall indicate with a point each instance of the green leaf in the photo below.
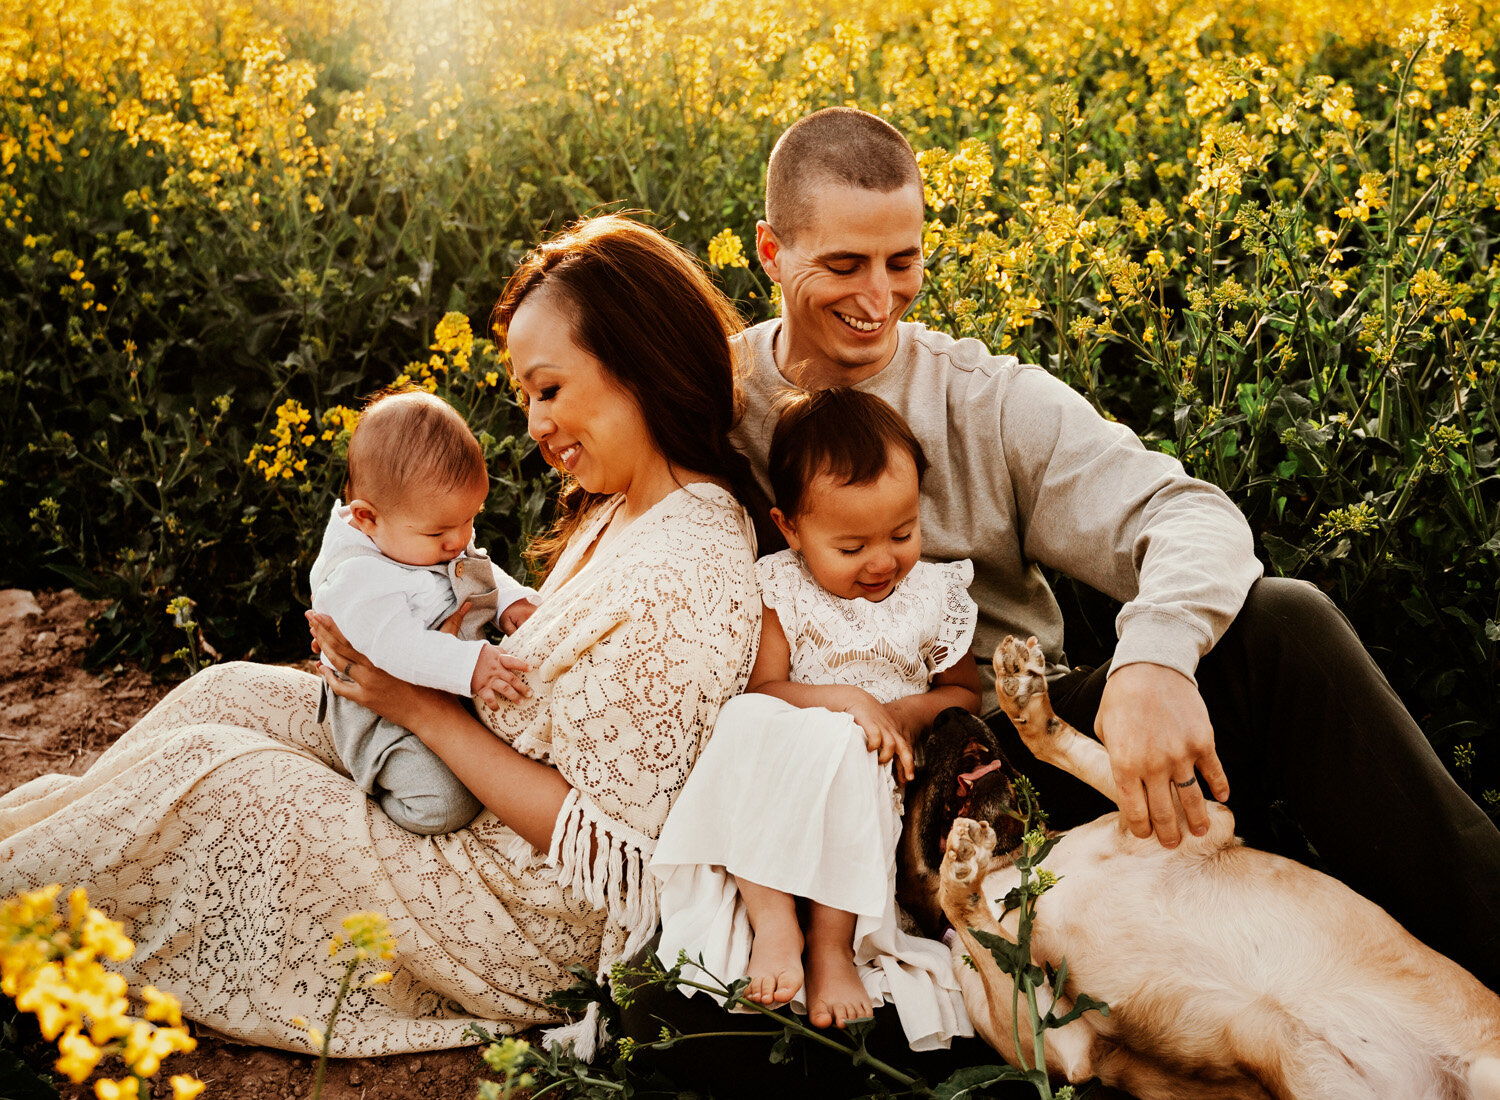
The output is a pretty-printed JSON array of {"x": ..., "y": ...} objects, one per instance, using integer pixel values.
[
  {"x": 1007, "y": 955},
  {"x": 970, "y": 1080},
  {"x": 1082, "y": 1003},
  {"x": 19, "y": 1082}
]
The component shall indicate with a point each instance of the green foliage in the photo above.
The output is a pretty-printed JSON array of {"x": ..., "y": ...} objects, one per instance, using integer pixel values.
[
  {"x": 1262, "y": 235},
  {"x": 25, "y": 1057}
]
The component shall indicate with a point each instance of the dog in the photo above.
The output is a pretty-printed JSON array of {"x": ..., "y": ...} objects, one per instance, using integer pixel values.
[{"x": 1229, "y": 972}]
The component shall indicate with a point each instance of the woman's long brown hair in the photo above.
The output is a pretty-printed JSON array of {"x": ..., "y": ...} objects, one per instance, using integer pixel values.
[{"x": 647, "y": 311}]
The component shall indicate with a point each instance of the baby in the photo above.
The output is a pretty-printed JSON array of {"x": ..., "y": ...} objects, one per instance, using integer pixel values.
[
  {"x": 793, "y": 798},
  {"x": 396, "y": 562}
]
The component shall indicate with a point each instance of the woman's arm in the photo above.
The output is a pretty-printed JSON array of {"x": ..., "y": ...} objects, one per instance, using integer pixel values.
[{"x": 525, "y": 794}]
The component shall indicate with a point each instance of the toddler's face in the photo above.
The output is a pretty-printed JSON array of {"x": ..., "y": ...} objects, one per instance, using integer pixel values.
[
  {"x": 427, "y": 528},
  {"x": 859, "y": 541}
]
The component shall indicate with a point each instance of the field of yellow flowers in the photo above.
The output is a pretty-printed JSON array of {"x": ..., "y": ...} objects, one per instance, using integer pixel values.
[{"x": 1261, "y": 233}]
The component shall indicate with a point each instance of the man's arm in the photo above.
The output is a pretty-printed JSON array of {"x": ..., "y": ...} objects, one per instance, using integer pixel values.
[{"x": 1102, "y": 508}]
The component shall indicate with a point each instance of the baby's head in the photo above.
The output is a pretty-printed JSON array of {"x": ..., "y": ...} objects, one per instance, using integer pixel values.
[
  {"x": 417, "y": 477},
  {"x": 845, "y": 472}
]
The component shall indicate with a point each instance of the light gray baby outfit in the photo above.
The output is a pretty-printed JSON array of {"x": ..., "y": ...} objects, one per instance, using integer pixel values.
[{"x": 387, "y": 610}]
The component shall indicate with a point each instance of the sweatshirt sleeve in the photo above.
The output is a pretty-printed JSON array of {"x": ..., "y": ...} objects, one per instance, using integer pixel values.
[
  {"x": 376, "y": 608},
  {"x": 1096, "y": 504}
]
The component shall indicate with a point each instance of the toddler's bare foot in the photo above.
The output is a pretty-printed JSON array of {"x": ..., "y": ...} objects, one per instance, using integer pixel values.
[
  {"x": 775, "y": 963},
  {"x": 835, "y": 994}
]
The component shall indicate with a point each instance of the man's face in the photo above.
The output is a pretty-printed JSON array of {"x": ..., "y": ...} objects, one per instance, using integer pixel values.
[{"x": 847, "y": 275}]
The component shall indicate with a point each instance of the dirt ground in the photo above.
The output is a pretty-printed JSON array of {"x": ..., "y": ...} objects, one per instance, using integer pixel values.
[{"x": 55, "y": 716}]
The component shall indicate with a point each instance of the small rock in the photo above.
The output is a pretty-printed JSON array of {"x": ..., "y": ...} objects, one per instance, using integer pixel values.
[
  {"x": 18, "y": 712},
  {"x": 17, "y": 604},
  {"x": 355, "y": 1078},
  {"x": 416, "y": 1066},
  {"x": 45, "y": 640}
]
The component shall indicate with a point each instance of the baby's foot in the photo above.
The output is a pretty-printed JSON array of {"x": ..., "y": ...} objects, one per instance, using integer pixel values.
[
  {"x": 775, "y": 965},
  {"x": 835, "y": 994}
]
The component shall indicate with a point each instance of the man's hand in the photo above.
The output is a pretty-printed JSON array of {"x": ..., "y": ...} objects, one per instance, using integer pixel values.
[
  {"x": 496, "y": 675},
  {"x": 1156, "y": 728},
  {"x": 516, "y": 614},
  {"x": 883, "y": 734}
]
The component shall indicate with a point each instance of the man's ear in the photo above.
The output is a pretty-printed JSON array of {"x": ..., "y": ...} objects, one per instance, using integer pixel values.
[
  {"x": 768, "y": 249},
  {"x": 362, "y": 515},
  {"x": 787, "y": 528}
]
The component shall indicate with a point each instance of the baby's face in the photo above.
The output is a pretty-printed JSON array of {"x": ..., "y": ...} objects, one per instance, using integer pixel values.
[
  {"x": 860, "y": 541},
  {"x": 427, "y": 528}
]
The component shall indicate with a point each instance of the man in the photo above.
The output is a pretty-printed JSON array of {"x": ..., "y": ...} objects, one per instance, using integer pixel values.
[{"x": 1216, "y": 671}]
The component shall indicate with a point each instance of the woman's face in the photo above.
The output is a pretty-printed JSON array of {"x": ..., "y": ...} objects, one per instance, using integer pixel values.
[{"x": 584, "y": 421}]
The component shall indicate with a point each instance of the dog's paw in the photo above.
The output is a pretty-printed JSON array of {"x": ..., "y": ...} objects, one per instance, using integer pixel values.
[
  {"x": 970, "y": 846},
  {"x": 1020, "y": 676},
  {"x": 971, "y": 850}
]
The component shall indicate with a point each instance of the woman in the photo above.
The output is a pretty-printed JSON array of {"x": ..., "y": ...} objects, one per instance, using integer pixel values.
[{"x": 221, "y": 833}]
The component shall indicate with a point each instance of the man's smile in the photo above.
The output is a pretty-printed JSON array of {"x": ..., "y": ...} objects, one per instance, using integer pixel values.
[{"x": 856, "y": 324}]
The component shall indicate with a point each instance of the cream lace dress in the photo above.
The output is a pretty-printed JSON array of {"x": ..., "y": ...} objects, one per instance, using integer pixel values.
[
  {"x": 790, "y": 797},
  {"x": 222, "y": 831}
]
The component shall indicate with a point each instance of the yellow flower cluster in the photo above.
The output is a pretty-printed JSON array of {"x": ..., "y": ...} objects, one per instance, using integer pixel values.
[
  {"x": 50, "y": 966},
  {"x": 286, "y": 454},
  {"x": 727, "y": 250}
]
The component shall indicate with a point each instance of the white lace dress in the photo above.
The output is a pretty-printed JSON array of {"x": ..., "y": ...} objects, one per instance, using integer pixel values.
[
  {"x": 790, "y": 797},
  {"x": 223, "y": 831}
]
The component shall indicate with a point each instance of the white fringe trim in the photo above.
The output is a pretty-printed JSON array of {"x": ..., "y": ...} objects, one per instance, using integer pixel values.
[
  {"x": 585, "y": 1036},
  {"x": 604, "y": 862}
]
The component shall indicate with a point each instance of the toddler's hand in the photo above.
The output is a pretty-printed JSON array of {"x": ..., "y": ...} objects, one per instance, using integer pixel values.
[
  {"x": 883, "y": 734},
  {"x": 497, "y": 675},
  {"x": 516, "y": 614}
]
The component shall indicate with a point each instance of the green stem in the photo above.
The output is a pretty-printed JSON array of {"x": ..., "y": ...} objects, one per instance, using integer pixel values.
[
  {"x": 806, "y": 1032},
  {"x": 333, "y": 1015}
]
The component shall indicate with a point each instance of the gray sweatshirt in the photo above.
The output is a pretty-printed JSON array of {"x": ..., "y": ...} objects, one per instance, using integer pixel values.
[{"x": 1024, "y": 473}]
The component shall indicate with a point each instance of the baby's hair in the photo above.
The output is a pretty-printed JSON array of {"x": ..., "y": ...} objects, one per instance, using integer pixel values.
[
  {"x": 843, "y": 432},
  {"x": 409, "y": 441}
]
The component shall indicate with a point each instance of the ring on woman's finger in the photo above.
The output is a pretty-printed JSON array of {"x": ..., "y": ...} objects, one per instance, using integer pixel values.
[{"x": 1192, "y": 781}]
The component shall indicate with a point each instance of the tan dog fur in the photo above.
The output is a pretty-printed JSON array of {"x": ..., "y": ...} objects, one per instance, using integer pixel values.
[{"x": 1229, "y": 972}]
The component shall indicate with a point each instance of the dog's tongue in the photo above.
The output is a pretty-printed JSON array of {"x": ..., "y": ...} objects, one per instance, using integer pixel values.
[{"x": 967, "y": 780}]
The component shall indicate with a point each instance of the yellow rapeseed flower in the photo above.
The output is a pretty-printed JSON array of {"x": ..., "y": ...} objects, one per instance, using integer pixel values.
[{"x": 726, "y": 249}]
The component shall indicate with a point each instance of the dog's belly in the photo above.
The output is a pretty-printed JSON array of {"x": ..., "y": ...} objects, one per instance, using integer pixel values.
[{"x": 1212, "y": 951}]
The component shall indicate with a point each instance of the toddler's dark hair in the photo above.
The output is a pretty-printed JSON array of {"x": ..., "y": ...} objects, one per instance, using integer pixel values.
[{"x": 844, "y": 432}]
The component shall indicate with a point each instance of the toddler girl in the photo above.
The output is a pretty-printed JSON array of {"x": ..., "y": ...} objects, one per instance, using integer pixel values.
[{"x": 792, "y": 798}]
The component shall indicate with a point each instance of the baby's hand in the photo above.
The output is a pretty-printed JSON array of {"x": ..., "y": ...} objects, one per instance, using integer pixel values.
[
  {"x": 883, "y": 734},
  {"x": 516, "y": 614},
  {"x": 496, "y": 675}
]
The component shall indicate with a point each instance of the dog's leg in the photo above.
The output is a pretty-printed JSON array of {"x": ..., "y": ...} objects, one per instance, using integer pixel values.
[
  {"x": 1021, "y": 684},
  {"x": 989, "y": 993}
]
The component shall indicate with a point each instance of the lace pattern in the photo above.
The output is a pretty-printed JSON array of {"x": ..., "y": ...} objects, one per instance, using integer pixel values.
[
  {"x": 890, "y": 649},
  {"x": 222, "y": 831}
]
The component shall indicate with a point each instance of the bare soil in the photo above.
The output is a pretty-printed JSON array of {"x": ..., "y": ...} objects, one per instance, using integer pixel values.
[{"x": 56, "y": 716}]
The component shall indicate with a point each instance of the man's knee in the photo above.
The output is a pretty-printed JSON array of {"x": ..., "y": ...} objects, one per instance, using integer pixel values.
[{"x": 1290, "y": 609}]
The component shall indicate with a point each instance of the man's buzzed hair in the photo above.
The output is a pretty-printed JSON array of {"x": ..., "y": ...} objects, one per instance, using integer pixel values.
[{"x": 839, "y": 145}]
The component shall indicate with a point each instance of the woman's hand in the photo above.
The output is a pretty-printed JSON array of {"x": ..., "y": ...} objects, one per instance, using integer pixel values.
[{"x": 354, "y": 677}]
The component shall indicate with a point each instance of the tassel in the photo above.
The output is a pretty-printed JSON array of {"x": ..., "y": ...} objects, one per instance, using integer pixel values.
[{"x": 583, "y": 1036}]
